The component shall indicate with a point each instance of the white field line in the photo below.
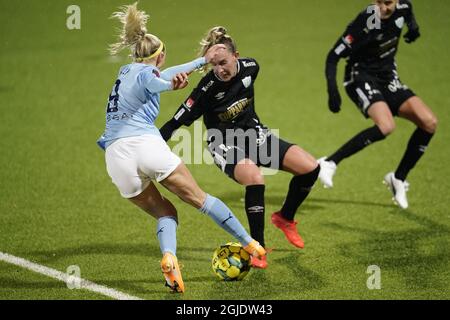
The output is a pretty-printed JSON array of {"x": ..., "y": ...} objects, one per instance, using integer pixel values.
[{"x": 64, "y": 277}]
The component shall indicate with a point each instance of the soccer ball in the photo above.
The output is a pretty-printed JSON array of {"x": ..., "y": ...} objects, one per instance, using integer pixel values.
[{"x": 231, "y": 262}]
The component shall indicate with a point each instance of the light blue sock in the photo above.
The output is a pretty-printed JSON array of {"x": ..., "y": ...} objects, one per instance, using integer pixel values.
[
  {"x": 223, "y": 216},
  {"x": 166, "y": 231}
]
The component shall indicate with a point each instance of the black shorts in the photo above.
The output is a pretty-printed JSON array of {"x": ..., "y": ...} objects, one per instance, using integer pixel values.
[
  {"x": 266, "y": 150},
  {"x": 365, "y": 90}
]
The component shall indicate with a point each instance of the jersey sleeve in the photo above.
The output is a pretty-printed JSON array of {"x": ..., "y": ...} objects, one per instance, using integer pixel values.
[
  {"x": 152, "y": 81},
  {"x": 251, "y": 67},
  {"x": 411, "y": 21},
  {"x": 169, "y": 73},
  {"x": 191, "y": 109},
  {"x": 255, "y": 70},
  {"x": 352, "y": 37}
]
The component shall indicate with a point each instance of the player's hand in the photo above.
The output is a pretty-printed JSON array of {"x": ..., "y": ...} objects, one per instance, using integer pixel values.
[
  {"x": 334, "y": 100},
  {"x": 211, "y": 54},
  {"x": 180, "y": 81},
  {"x": 411, "y": 35}
]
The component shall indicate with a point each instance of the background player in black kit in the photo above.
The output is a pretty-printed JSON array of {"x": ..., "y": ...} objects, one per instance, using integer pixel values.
[
  {"x": 370, "y": 43},
  {"x": 240, "y": 143}
]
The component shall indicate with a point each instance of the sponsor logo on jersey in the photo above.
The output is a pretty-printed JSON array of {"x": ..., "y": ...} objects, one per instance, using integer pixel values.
[
  {"x": 220, "y": 95},
  {"x": 156, "y": 73},
  {"x": 400, "y": 22},
  {"x": 210, "y": 83},
  {"x": 235, "y": 109},
  {"x": 124, "y": 116},
  {"x": 249, "y": 64},
  {"x": 247, "y": 81},
  {"x": 189, "y": 103}
]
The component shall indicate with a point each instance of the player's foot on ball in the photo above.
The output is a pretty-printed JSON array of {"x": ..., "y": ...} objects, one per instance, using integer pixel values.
[
  {"x": 172, "y": 273},
  {"x": 398, "y": 189},
  {"x": 260, "y": 263},
  {"x": 327, "y": 171},
  {"x": 289, "y": 229},
  {"x": 255, "y": 249}
]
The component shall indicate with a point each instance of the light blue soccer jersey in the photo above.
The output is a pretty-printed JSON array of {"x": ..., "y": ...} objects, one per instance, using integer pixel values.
[{"x": 133, "y": 104}]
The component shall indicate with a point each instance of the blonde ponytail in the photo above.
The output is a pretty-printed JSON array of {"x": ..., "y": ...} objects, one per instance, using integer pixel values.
[
  {"x": 216, "y": 35},
  {"x": 134, "y": 34}
]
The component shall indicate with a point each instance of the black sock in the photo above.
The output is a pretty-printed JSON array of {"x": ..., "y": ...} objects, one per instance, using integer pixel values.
[
  {"x": 416, "y": 148},
  {"x": 299, "y": 188},
  {"x": 357, "y": 143},
  {"x": 254, "y": 206}
]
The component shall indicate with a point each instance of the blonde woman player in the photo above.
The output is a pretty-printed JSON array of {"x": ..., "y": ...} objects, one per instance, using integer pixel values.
[{"x": 136, "y": 154}]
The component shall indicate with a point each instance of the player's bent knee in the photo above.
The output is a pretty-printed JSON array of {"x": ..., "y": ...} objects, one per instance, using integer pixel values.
[
  {"x": 431, "y": 125},
  {"x": 250, "y": 178},
  {"x": 312, "y": 166},
  {"x": 256, "y": 179},
  {"x": 387, "y": 128}
]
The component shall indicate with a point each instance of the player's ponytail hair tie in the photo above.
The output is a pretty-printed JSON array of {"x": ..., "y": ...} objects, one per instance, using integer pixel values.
[
  {"x": 216, "y": 35},
  {"x": 134, "y": 35}
]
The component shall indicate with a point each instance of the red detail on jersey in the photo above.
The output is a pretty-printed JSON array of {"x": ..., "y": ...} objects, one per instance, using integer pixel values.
[
  {"x": 349, "y": 39},
  {"x": 156, "y": 73},
  {"x": 190, "y": 102}
]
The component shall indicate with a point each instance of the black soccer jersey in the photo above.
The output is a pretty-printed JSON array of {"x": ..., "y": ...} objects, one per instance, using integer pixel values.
[
  {"x": 370, "y": 44},
  {"x": 224, "y": 105}
]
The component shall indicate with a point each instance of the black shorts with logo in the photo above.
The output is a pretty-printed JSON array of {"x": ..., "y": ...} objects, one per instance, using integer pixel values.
[
  {"x": 365, "y": 90},
  {"x": 265, "y": 150}
]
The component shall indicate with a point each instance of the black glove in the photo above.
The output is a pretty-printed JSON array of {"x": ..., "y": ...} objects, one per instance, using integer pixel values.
[
  {"x": 411, "y": 35},
  {"x": 334, "y": 100}
]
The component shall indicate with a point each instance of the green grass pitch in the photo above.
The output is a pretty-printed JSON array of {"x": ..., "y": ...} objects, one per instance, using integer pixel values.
[{"x": 58, "y": 206}]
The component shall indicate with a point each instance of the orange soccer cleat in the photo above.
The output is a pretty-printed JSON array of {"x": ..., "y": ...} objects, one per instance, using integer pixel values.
[
  {"x": 172, "y": 273},
  {"x": 260, "y": 263},
  {"x": 289, "y": 229},
  {"x": 255, "y": 249}
]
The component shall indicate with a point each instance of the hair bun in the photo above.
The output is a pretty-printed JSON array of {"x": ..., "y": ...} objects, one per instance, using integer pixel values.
[{"x": 221, "y": 30}]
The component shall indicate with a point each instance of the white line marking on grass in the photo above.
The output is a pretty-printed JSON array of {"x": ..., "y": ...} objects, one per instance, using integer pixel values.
[{"x": 58, "y": 275}]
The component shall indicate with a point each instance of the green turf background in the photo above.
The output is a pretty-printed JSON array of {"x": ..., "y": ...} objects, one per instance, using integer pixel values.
[{"x": 59, "y": 208}]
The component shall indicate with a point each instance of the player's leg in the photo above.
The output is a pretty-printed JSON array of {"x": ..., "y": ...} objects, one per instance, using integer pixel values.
[
  {"x": 305, "y": 170},
  {"x": 383, "y": 119},
  {"x": 152, "y": 202},
  {"x": 131, "y": 166},
  {"x": 415, "y": 110},
  {"x": 248, "y": 174},
  {"x": 181, "y": 183}
]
